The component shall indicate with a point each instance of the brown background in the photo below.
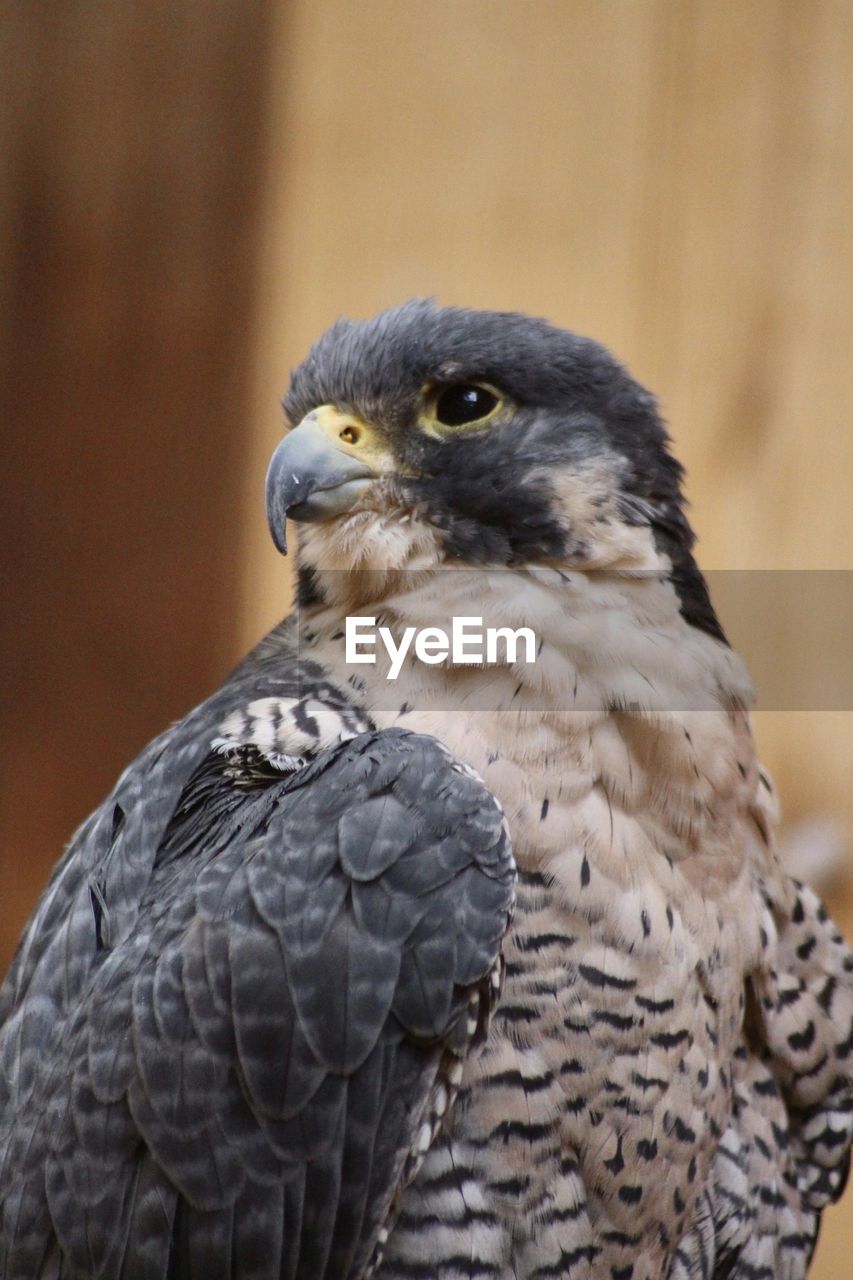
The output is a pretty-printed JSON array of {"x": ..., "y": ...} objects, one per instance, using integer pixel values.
[{"x": 192, "y": 190}]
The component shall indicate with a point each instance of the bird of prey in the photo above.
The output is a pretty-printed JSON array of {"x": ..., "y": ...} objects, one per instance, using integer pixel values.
[{"x": 486, "y": 971}]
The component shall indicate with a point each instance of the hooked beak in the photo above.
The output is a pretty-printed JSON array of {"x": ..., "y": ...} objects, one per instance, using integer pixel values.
[{"x": 319, "y": 470}]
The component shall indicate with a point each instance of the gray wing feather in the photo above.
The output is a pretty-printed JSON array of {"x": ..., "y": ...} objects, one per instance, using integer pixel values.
[
  {"x": 225, "y": 1075},
  {"x": 113, "y": 852}
]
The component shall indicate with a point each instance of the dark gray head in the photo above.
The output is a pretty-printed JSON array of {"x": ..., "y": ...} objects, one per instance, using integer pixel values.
[{"x": 518, "y": 442}]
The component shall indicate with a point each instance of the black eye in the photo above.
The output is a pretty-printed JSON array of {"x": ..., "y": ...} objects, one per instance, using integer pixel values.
[{"x": 465, "y": 403}]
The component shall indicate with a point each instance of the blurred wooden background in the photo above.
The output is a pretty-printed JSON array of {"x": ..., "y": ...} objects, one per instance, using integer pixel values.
[{"x": 193, "y": 190}]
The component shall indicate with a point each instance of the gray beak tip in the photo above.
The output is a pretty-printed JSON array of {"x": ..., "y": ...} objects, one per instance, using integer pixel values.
[
  {"x": 311, "y": 478},
  {"x": 277, "y": 501}
]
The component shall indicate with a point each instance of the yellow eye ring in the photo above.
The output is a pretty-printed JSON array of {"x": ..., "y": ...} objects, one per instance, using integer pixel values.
[{"x": 461, "y": 406}]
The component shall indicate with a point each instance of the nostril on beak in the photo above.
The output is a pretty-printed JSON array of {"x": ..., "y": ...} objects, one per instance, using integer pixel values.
[{"x": 349, "y": 435}]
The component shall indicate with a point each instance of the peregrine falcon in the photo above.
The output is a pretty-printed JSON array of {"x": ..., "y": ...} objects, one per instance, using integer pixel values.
[{"x": 482, "y": 969}]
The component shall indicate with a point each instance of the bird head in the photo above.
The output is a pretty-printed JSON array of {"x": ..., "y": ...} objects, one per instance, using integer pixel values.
[{"x": 430, "y": 436}]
